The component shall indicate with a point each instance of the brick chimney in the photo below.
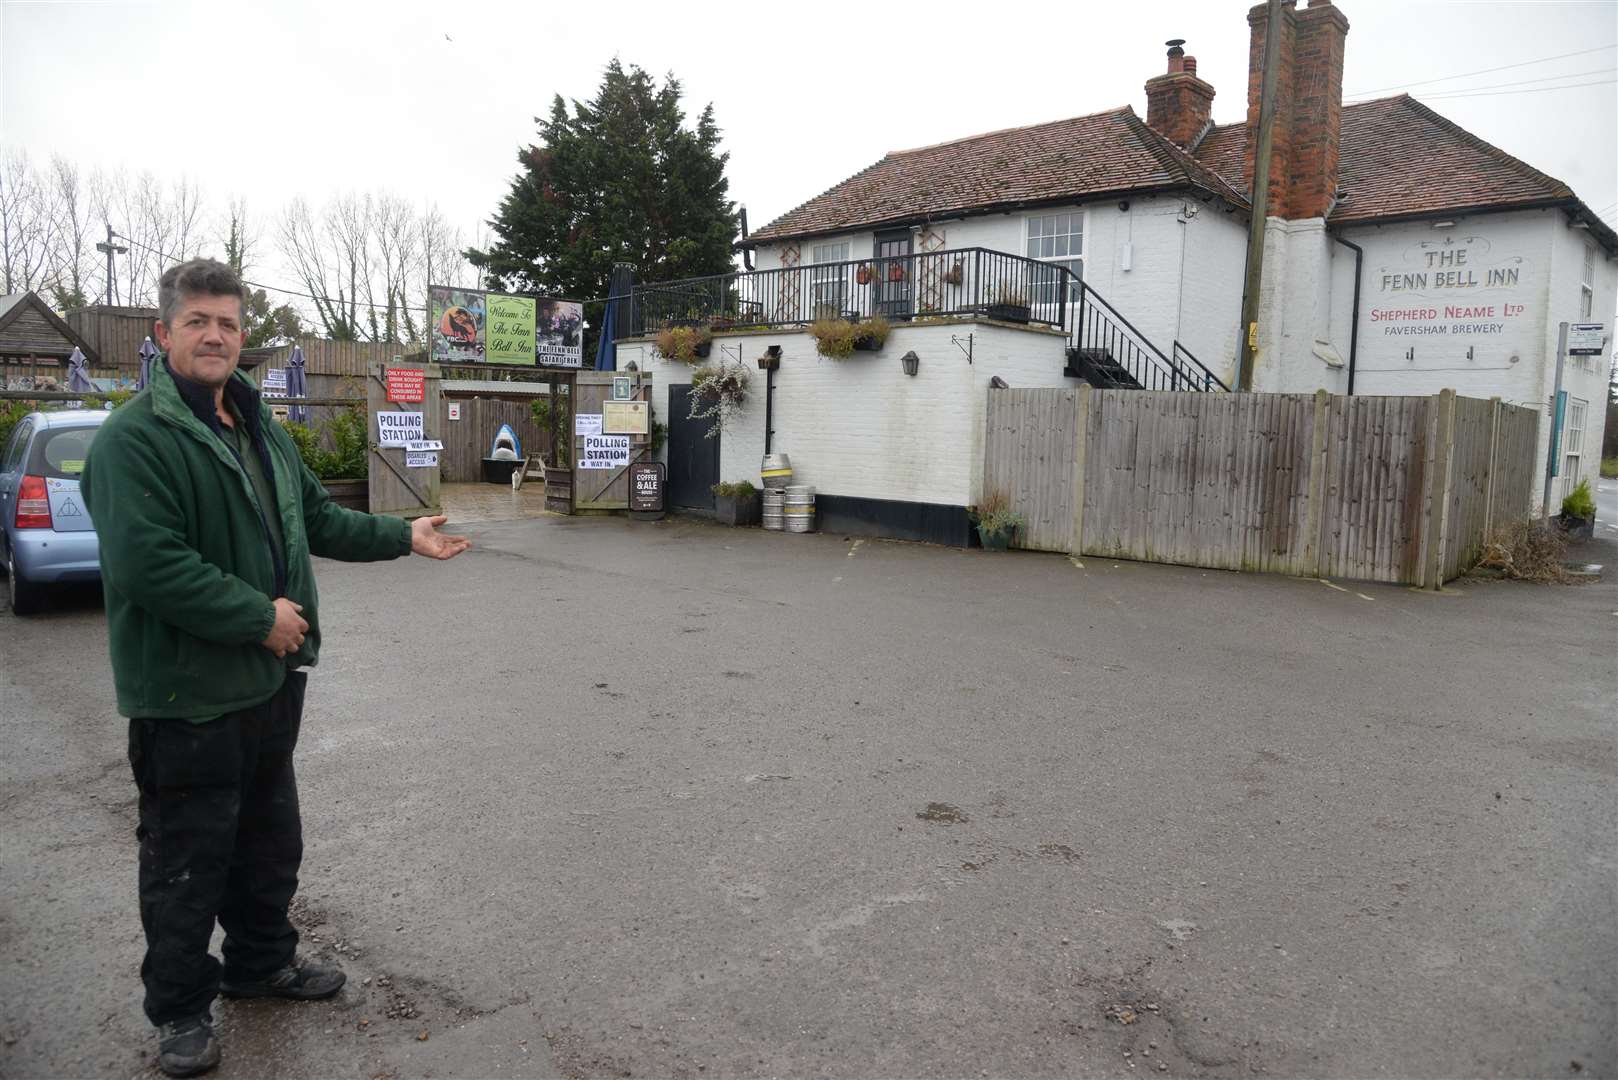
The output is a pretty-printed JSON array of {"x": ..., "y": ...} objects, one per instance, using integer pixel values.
[
  {"x": 1179, "y": 106},
  {"x": 1308, "y": 106}
]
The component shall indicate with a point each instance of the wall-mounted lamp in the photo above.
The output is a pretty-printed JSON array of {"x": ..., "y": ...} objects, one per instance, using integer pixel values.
[
  {"x": 910, "y": 361},
  {"x": 771, "y": 358},
  {"x": 631, "y": 366}
]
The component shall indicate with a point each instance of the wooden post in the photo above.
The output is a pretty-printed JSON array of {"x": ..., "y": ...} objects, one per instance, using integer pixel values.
[
  {"x": 1488, "y": 477},
  {"x": 1081, "y": 429},
  {"x": 1314, "y": 547},
  {"x": 1440, "y": 483}
]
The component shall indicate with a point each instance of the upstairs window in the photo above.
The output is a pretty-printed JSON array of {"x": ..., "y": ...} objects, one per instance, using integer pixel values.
[
  {"x": 1587, "y": 283},
  {"x": 1057, "y": 239}
]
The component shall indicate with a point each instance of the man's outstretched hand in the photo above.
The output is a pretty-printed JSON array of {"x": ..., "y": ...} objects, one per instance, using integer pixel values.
[{"x": 425, "y": 539}]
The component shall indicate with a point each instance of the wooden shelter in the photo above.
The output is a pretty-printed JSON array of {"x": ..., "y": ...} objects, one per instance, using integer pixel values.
[{"x": 35, "y": 343}]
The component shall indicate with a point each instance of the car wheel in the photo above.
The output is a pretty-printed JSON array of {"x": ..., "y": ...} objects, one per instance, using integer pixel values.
[{"x": 26, "y": 597}]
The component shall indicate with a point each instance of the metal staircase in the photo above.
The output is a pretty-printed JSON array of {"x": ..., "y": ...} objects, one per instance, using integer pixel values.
[{"x": 1106, "y": 351}]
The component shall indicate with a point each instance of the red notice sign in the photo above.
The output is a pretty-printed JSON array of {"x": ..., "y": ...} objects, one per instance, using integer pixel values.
[{"x": 407, "y": 384}]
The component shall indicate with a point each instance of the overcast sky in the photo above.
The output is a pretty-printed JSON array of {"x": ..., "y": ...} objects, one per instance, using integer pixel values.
[{"x": 271, "y": 100}]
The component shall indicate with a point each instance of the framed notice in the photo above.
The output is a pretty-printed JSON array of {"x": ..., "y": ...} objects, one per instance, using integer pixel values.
[{"x": 626, "y": 418}]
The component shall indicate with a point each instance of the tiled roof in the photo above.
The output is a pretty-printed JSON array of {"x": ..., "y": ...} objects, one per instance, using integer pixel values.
[
  {"x": 1083, "y": 157},
  {"x": 1399, "y": 158}
]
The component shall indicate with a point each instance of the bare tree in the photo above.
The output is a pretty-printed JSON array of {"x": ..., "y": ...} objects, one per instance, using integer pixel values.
[
  {"x": 28, "y": 223},
  {"x": 75, "y": 263},
  {"x": 162, "y": 225},
  {"x": 329, "y": 255}
]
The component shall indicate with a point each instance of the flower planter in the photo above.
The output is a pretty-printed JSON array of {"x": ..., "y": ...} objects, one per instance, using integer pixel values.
[
  {"x": 1577, "y": 528},
  {"x": 867, "y": 344},
  {"x": 353, "y": 494},
  {"x": 1017, "y": 313},
  {"x": 703, "y": 350},
  {"x": 995, "y": 539},
  {"x": 737, "y": 509},
  {"x": 864, "y": 275}
]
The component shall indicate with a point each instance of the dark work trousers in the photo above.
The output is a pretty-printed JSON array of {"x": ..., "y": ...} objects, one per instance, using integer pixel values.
[{"x": 220, "y": 838}]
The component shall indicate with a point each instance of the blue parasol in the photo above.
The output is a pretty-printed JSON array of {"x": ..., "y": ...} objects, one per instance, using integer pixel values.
[{"x": 618, "y": 289}]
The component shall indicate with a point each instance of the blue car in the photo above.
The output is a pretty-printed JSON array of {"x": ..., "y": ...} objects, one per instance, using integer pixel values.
[{"x": 46, "y": 537}]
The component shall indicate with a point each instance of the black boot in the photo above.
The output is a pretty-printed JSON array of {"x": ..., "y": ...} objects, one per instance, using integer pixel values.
[
  {"x": 301, "y": 980},
  {"x": 187, "y": 1047}
]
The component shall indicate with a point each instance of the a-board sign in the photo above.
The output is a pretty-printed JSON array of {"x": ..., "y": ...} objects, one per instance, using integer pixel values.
[
  {"x": 587, "y": 424},
  {"x": 646, "y": 487},
  {"x": 407, "y": 385},
  {"x": 626, "y": 418},
  {"x": 400, "y": 428},
  {"x": 604, "y": 452},
  {"x": 1584, "y": 339}
]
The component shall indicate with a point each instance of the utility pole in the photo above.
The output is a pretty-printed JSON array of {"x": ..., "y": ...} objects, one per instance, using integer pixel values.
[
  {"x": 1247, "y": 350},
  {"x": 111, "y": 295}
]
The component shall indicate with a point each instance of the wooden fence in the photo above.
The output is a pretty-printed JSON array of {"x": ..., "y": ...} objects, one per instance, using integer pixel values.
[{"x": 1399, "y": 489}]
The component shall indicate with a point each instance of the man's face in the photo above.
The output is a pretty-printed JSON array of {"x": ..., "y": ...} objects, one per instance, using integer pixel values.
[{"x": 204, "y": 341}]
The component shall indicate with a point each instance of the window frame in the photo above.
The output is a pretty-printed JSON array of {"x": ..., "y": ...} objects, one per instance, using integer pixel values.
[
  {"x": 838, "y": 279},
  {"x": 1587, "y": 283},
  {"x": 1573, "y": 441},
  {"x": 1044, "y": 295}
]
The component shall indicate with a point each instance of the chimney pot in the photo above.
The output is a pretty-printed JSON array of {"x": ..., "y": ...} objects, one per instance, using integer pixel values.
[{"x": 1190, "y": 65}]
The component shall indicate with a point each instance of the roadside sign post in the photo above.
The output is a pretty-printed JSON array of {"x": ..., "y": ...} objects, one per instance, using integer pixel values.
[{"x": 1553, "y": 444}]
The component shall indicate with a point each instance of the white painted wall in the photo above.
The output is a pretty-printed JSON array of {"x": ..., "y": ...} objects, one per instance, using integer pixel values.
[
  {"x": 860, "y": 427},
  {"x": 1512, "y": 337}
]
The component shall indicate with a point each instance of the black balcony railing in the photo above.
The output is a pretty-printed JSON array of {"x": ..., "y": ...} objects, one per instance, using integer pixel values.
[{"x": 1103, "y": 345}]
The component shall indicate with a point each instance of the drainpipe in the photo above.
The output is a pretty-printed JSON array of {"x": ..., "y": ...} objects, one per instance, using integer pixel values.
[
  {"x": 1354, "y": 324},
  {"x": 769, "y": 408}
]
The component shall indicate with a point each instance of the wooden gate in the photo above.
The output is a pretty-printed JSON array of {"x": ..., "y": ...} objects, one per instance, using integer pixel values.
[
  {"x": 397, "y": 488},
  {"x": 605, "y": 489}
]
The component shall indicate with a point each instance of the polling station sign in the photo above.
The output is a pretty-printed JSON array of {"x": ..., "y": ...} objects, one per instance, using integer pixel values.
[
  {"x": 400, "y": 428},
  {"x": 604, "y": 452}
]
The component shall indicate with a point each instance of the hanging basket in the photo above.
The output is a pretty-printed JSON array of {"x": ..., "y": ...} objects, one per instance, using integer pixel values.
[
  {"x": 896, "y": 272},
  {"x": 864, "y": 275},
  {"x": 953, "y": 275}
]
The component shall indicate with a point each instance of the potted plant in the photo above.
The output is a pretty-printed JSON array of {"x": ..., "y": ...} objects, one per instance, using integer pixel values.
[
  {"x": 1008, "y": 304},
  {"x": 685, "y": 344},
  {"x": 997, "y": 522},
  {"x": 344, "y": 470},
  {"x": 718, "y": 392},
  {"x": 840, "y": 338},
  {"x": 736, "y": 503},
  {"x": 1578, "y": 518}
]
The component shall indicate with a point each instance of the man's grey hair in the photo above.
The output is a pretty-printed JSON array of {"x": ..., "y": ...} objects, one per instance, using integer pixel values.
[{"x": 198, "y": 277}]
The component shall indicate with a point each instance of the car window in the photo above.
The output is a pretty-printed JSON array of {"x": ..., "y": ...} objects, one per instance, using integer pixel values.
[
  {"x": 60, "y": 452},
  {"x": 14, "y": 448}
]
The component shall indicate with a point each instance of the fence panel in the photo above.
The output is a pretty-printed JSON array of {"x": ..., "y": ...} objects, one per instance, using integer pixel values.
[
  {"x": 1393, "y": 489},
  {"x": 1198, "y": 479},
  {"x": 1029, "y": 459}
]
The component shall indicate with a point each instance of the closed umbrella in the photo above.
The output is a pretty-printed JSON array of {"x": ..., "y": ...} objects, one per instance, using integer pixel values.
[
  {"x": 618, "y": 288},
  {"x": 148, "y": 353},
  {"x": 78, "y": 374},
  {"x": 297, "y": 386}
]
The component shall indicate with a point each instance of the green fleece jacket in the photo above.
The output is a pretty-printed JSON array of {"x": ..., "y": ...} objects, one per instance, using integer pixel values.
[{"x": 186, "y": 559}]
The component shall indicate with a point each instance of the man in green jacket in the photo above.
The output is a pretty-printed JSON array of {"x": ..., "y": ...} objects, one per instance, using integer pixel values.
[{"x": 208, "y": 519}]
